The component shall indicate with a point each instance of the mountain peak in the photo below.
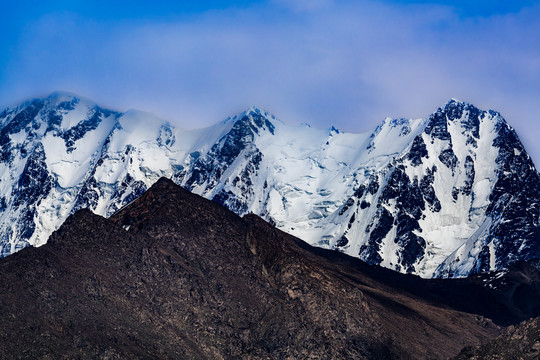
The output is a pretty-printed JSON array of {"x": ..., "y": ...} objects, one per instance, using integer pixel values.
[
  {"x": 60, "y": 94},
  {"x": 333, "y": 130},
  {"x": 67, "y": 100},
  {"x": 255, "y": 110},
  {"x": 164, "y": 183},
  {"x": 255, "y": 119},
  {"x": 456, "y": 109},
  {"x": 455, "y": 101},
  {"x": 388, "y": 121}
]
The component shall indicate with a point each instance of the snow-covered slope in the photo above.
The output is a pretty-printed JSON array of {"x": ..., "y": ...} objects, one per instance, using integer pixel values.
[{"x": 447, "y": 196}]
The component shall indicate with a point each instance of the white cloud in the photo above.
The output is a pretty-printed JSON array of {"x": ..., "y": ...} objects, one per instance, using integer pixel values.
[{"x": 328, "y": 63}]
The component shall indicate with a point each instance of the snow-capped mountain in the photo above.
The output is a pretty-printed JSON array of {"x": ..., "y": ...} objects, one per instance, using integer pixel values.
[{"x": 447, "y": 196}]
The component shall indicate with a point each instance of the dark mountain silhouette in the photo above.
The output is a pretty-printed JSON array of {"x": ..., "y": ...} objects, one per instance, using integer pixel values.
[{"x": 176, "y": 276}]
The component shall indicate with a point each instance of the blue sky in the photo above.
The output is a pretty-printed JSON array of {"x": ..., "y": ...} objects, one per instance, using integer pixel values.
[{"x": 325, "y": 62}]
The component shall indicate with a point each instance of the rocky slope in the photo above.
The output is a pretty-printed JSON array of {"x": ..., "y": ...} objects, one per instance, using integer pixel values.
[
  {"x": 517, "y": 342},
  {"x": 448, "y": 196},
  {"x": 175, "y": 276}
]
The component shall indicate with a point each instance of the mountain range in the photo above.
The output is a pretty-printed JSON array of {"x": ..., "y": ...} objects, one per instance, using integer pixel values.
[
  {"x": 175, "y": 276},
  {"x": 448, "y": 196}
]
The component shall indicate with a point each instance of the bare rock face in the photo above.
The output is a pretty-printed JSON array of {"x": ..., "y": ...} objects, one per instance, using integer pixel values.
[
  {"x": 176, "y": 276},
  {"x": 517, "y": 342}
]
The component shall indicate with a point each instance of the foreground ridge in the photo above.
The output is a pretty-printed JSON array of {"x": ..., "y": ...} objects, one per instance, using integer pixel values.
[{"x": 173, "y": 275}]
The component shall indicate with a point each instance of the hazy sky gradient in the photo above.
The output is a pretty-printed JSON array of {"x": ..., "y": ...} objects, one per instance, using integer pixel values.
[{"x": 325, "y": 62}]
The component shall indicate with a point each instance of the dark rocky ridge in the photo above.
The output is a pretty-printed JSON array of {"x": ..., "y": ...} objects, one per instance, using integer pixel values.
[
  {"x": 173, "y": 275},
  {"x": 517, "y": 342}
]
